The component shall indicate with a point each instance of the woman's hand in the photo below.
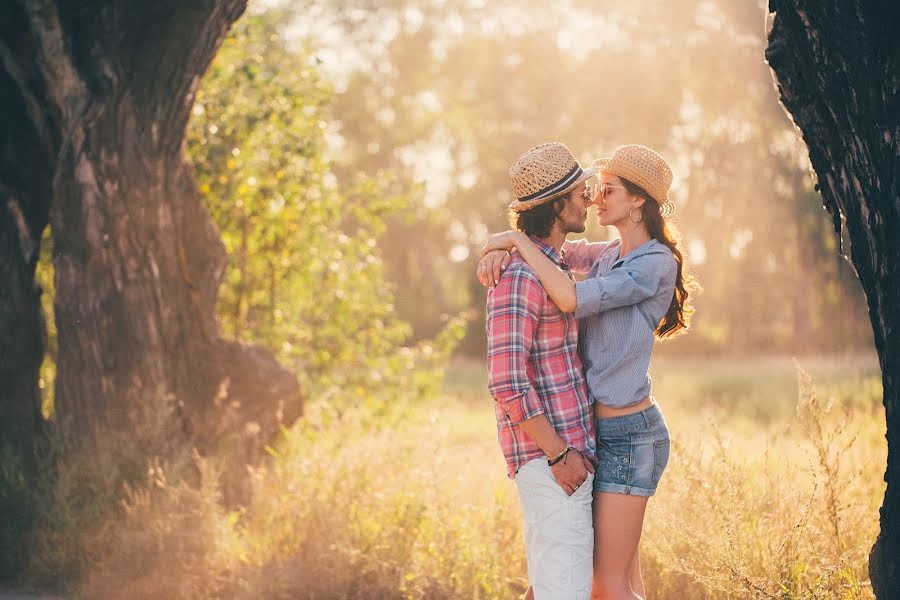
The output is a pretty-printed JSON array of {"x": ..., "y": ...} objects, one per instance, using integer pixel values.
[
  {"x": 502, "y": 241},
  {"x": 491, "y": 266}
]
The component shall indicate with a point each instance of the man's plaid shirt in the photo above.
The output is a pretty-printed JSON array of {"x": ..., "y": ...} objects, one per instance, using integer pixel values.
[{"x": 533, "y": 364}]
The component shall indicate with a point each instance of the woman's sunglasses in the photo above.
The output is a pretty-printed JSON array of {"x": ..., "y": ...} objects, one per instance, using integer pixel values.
[{"x": 605, "y": 190}]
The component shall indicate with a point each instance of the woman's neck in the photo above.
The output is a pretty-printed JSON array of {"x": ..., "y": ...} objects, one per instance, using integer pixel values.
[{"x": 632, "y": 235}]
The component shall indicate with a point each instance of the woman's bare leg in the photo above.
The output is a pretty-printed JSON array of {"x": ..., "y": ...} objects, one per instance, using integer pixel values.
[
  {"x": 618, "y": 520},
  {"x": 529, "y": 594},
  {"x": 634, "y": 574}
]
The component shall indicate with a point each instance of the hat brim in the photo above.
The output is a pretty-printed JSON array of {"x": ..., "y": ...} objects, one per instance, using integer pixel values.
[{"x": 519, "y": 206}]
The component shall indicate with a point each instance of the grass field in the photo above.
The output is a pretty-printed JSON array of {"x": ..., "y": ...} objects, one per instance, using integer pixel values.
[
  {"x": 772, "y": 491},
  {"x": 775, "y": 480}
]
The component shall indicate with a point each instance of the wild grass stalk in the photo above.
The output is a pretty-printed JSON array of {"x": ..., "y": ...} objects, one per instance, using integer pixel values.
[{"x": 410, "y": 500}]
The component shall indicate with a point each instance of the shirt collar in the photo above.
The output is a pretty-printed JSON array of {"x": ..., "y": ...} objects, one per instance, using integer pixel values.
[
  {"x": 651, "y": 246},
  {"x": 648, "y": 247},
  {"x": 550, "y": 252}
]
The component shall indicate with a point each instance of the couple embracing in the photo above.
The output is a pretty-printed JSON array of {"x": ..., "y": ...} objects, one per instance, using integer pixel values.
[{"x": 584, "y": 439}]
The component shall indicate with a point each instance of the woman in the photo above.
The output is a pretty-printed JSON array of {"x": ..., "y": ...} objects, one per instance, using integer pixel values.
[{"x": 636, "y": 288}]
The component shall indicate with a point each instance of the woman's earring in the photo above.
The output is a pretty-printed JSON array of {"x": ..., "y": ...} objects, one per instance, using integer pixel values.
[{"x": 630, "y": 218}]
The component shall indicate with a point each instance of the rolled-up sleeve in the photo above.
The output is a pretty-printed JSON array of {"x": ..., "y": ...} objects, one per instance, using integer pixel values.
[
  {"x": 634, "y": 281},
  {"x": 513, "y": 312}
]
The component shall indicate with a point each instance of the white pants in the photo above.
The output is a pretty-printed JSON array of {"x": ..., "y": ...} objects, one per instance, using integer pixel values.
[{"x": 559, "y": 533}]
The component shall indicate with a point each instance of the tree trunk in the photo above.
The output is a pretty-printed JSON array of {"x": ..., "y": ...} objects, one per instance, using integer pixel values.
[
  {"x": 105, "y": 91},
  {"x": 22, "y": 342},
  {"x": 837, "y": 66},
  {"x": 28, "y": 146}
]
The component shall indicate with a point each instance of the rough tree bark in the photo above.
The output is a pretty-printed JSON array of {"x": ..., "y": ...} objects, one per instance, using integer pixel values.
[
  {"x": 94, "y": 102},
  {"x": 837, "y": 66},
  {"x": 27, "y": 151}
]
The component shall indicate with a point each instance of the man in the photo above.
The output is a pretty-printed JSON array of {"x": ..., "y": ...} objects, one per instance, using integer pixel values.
[{"x": 544, "y": 420}]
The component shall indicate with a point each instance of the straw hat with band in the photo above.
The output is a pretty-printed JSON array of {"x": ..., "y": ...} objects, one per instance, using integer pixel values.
[
  {"x": 545, "y": 173},
  {"x": 643, "y": 167}
]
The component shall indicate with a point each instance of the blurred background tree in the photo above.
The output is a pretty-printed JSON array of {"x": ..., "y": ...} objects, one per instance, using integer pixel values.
[
  {"x": 355, "y": 158},
  {"x": 448, "y": 94}
]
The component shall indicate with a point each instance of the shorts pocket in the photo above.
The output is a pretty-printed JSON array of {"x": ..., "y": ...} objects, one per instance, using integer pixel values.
[
  {"x": 661, "y": 449},
  {"x": 615, "y": 460}
]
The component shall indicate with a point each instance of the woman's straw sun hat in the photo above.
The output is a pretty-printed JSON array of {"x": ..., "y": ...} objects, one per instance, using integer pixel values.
[
  {"x": 643, "y": 167},
  {"x": 544, "y": 173}
]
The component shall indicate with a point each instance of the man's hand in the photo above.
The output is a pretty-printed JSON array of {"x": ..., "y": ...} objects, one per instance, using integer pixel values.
[
  {"x": 491, "y": 266},
  {"x": 571, "y": 471}
]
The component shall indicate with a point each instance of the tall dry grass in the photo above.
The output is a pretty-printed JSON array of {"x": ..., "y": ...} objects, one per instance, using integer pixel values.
[
  {"x": 785, "y": 513},
  {"x": 411, "y": 501}
]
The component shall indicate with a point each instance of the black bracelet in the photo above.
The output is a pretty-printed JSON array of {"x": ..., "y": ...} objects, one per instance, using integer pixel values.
[{"x": 559, "y": 457}]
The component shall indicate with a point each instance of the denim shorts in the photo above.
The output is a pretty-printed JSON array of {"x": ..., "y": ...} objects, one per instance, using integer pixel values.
[{"x": 633, "y": 451}]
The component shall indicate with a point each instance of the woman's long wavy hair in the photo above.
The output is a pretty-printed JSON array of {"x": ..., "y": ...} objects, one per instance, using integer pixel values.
[{"x": 678, "y": 317}]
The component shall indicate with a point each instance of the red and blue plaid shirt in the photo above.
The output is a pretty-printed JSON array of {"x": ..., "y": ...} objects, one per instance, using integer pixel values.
[{"x": 533, "y": 364}]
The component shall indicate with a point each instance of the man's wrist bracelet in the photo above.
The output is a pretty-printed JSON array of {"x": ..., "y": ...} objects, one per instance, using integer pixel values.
[{"x": 552, "y": 461}]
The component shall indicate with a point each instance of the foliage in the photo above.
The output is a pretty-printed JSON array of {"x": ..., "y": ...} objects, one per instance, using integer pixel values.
[
  {"x": 305, "y": 276},
  {"x": 43, "y": 277}
]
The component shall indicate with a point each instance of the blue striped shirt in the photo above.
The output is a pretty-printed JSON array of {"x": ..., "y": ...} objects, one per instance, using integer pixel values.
[{"x": 619, "y": 306}]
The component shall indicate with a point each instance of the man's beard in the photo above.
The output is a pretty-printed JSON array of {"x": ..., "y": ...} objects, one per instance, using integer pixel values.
[{"x": 576, "y": 227}]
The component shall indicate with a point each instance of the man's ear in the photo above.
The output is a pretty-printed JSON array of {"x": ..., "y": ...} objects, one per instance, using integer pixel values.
[{"x": 559, "y": 205}]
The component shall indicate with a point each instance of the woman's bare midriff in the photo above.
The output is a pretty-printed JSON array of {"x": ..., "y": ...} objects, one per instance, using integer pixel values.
[{"x": 602, "y": 411}]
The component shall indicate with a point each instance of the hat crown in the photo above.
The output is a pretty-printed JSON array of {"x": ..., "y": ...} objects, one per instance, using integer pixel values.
[
  {"x": 643, "y": 167},
  {"x": 540, "y": 168}
]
